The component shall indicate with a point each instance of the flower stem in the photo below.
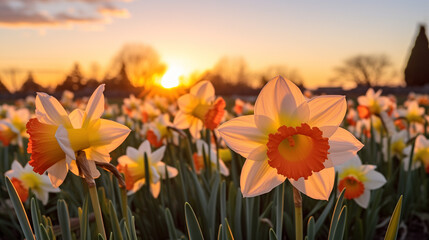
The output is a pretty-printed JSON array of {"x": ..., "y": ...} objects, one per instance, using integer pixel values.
[
  {"x": 97, "y": 210},
  {"x": 298, "y": 213},
  {"x": 84, "y": 171}
]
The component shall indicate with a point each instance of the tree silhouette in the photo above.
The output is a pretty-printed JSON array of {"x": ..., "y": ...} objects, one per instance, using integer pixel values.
[
  {"x": 30, "y": 86},
  {"x": 3, "y": 89},
  {"x": 73, "y": 81},
  {"x": 367, "y": 70},
  {"x": 143, "y": 64},
  {"x": 417, "y": 70}
]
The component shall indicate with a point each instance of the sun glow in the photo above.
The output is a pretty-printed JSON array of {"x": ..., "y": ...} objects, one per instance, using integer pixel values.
[{"x": 172, "y": 77}]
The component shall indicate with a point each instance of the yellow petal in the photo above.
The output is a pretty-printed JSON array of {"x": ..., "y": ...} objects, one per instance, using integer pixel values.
[{"x": 108, "y": 134}]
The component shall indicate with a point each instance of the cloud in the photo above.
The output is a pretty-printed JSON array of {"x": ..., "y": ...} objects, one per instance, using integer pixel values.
[{"x": 58, "y": 13}]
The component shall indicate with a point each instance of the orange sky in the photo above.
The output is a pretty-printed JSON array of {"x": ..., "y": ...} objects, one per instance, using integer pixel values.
[{"x": 311, "y": 36}]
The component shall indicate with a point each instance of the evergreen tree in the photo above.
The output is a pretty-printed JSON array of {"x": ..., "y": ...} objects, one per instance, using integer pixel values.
[{"x": 417, "y": 70}]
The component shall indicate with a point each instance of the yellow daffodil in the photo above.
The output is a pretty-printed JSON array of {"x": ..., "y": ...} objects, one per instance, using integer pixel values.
[
  {"x": 133, "y": 166},
  {"x": 420, "y": 156},
  {"x": 199, "y": 158},
  {"x": 56, "y": 136},
  {"x": 12, "y": 128},
  {"x": 358, "y": 180},
  {"x": 25, "y": 179},
  {"x": 291, "y": 137},
  {"x": 199, "y": 108}
]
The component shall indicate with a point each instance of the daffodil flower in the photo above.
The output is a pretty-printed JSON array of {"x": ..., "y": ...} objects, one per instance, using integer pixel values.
[
  {"x": 372, "y": 103},
  {"x": 157, "y": 131},
  {"x": 25, "y": 179},
  {"x": 420, "y": 156},
  {"x": 398, "y": 142},
  {"x": 198, "y": 157},
  {"x": 133, "y": 166},
  {"x": 12, "y": 128},
  {"x": 291, "y": 138},
  {"x": 358, "y": 180},
  {"x": 56, "y": 136},
  {"x": 199, "y": 108}
]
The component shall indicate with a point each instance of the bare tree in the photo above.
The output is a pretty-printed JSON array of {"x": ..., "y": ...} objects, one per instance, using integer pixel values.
[
  {"x": 368, "y": 70},
  {"x": 143, "y": 64}
]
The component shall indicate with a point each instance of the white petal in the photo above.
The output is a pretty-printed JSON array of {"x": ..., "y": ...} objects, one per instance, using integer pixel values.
[
  {"x": 318, "y": 186},
  {"x": 57, "y": 173},
  {"x": 158, "y": 154},
  {"x": 353, "y": 161},
  {"x": 328, "y": 110},
  {"x": 145, "y": 148},
  {"x": 108, "y": 134},
  {"x": 374, "y": 180},
  {"x": 52, "y": 109},
  {"x": 73, "y": 168},
  {"x": 95, "y": 107},
  {"x": 300, "y": 115},
  {"x": 223, "y": 168},
  {"x": 265, "y": 124},
  {"x": 204, "y": 90},
  {"x": 328, "y": 131},
  {"x": 278, "y": 94},
  {"x": 343, "y": 146},
  {"x": 155, "y": 189},
  {"x": 132, "y": 153},
  {"x": 242, "y": 135},
  {"x": 257, "y": 178},
  {"x": 195, "y": 128},
  {"x": 172, "y": 172},
  {"x": 76, "y": 118},
  {"x": 137, "y": 185},
  {"x": 363, "y": 200},
  {"x": 63, "y": 140},
  {"x": 259, "y": 153},
  {"x": 43, "y": 196}
]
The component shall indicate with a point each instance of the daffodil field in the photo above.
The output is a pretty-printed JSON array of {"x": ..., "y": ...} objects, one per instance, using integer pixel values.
[{"x": 283, "y": 166}]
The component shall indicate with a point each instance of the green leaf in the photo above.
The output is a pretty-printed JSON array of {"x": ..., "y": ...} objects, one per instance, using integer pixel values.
[
  {"x": 132, "y": 221},
  {"x": 324, "y": 215},
  {"x": 228, "y": 231},
  {"x": 43, "y": 233},
  {"x": 194, "y": 230},
  {"x": 117, "y": 234},
  {"x": 311, "y": 229},
  {"x": 19, "y": 209},
  {"x": 337, "y": 211},
  {"x": 64, "y": 218},
  {"x": 83, "y": 218},
  {"x": 211, "y": 206},
  {"x": 35, "y": 217},
  {"x": 273, "y": 235},
  {"x": 341, "y": 225},
  {"x": 279, "y": 205},
  {"x": 170, "y": 224},
  {"x": 392, "y": 229}
]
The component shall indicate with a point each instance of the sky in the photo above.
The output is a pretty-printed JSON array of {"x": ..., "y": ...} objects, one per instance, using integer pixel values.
[{"x": 312, "y": 37}]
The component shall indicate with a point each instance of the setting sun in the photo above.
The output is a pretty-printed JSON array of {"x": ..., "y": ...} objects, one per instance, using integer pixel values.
[{"x": 171, "y": 78}]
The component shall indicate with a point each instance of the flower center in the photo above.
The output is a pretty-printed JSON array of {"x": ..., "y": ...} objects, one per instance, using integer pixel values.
[
  {"x": 354, "y": 187},
  {"x": 43, "y": 146},
  {"x": 297, "y": 151},
  {"x": 201, "y": 110},
  {"x": 31, "y": 180},
  {"x": 214, "y": 115},
  {"x": 79, "y": 138}
]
